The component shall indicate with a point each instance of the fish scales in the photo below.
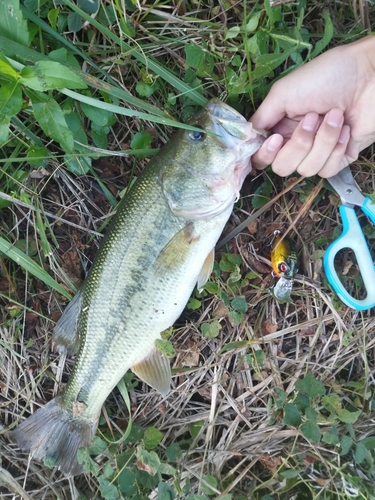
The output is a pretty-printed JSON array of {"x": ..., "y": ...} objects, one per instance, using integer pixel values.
[
  {"x": 158, "y": 246},
  {"x": 115, "y": 300}
]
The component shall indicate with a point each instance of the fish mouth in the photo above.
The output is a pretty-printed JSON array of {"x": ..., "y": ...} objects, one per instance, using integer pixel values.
[
  {"x": 230, "y": 126},
  {"x": 223, "y": 111}
]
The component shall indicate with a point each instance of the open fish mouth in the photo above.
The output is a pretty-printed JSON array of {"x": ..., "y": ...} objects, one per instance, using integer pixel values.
[
  {"x": 223, "y": 111},
  {"x": 231, "y": 127}
]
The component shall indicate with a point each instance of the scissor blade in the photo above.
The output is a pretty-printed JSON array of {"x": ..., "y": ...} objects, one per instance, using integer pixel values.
[{"x": 345, "y": 185}]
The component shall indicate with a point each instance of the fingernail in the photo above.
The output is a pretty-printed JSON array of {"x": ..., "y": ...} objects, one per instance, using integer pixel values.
[
  {"x": 335, "y": 118},
  {"x": 344, "y": 134},
  {"x": 310, "y": 122},
  {"x": 274, "y": 143}
]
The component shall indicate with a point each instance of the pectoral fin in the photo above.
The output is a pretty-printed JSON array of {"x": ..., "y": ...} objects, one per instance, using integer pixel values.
[
  {"x": 65, "y": 334},
  {"x": 206, "y": 270},
  {"x": 176, "y": 250},
  {"x": 155, "y": 370}
]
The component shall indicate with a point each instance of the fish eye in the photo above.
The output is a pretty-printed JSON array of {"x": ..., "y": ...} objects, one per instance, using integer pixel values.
[
  {"x": 196, "y": 135},
  {"x": 283, "y": 268}
]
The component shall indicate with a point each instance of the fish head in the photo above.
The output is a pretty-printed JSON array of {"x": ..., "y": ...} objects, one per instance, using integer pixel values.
[
  {"x": 215, "y": 159},
  {"x": 220, "y": 153},
  {"x": 228, "y": 139}
]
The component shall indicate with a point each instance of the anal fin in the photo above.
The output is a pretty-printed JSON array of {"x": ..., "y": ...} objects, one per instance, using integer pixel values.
[
  {"x": 65, "y": 334},
  {"x": 206, "y": 270},
  {"x": 155, "y": 370}
]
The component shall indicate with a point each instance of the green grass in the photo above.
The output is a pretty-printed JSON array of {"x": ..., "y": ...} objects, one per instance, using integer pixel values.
[{"x": 270, "y": 401}]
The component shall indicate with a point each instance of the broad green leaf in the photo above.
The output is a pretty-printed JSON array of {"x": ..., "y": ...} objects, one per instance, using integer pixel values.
[
  {"x": 97, "y": 446},
  {"x": 346, "y": 443},
  {"x": 108, "y": 490},
  {"x": 101, "y": 117},
  {"x": 49, "y": 75},
  {"x": 369, "y": 442},
  {"x": 262, "y": 194},
  {"x": 302, "y": 402},
  {"x": 148, "y": 461},
  {"x": 311, "y": 414},
  {"x": 310, "y": 386},
  {"x": 291, "y": 415},
  {"x": 126, "y": 481},
  {"x": 196, "y": 427},
  {"x": 360, "y": 452},
  {"x": 167, "y": 469},
  {"x": 239, "y": 304},
  {"x": 211, "y": 287},
  {"x": 232, "y": 32},
  {"x": 332, "y": 403},
  {"x": 193, "y": 304},
  {"x": 207, "y": 482},
  {"x": 266, "y": 63},
  {"x": 236, "y": 317},
  {"x": 100, "y": 135},
  {"x": 253, "y": 22},
  {"x": 260, "y": 357},
  {"x": 146, "y": 89},
  {"x": 10, "y": 98},
  {"x": 74, "y": 22},
  {"x": 331, "y": 437},
  {"x": 173, "y": 452},
  {"x": 210, "y": 330},
  {"x": 289, "y": 473},
  {"x": 141, "y": 140},
  {"x": 13, "y": 26},
  {"x": 7, "y": 70},
  {"x": 165, "y": 347},
  {"x": 310, "y": 430},
  {"x": 280, "y": 398},
  {"x": 152, "y": 437},
  {"x": 52, "y": 121},
  {"x": 52, "y": 15},
  {"x": 194, "y": 56},
  {"x": 76, "y": 164},
  {"x": 165, "y": 492},
  {"x": 269, "y": 11},
  {"x": 349, "y": 417},
  {"x": 67, "y": 59},
  {"x": 327, "y": 36},
  {"x": 90, "y": 6},
  {"x": 88, "y": 463},
  {"x": 4, "y": 128},
  {"x": 29, "y": 265}
]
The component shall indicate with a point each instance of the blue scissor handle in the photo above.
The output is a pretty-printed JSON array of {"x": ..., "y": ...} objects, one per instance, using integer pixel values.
[
  {"x": 368, "y": 208},
  {"x": 352, "y": 237}
]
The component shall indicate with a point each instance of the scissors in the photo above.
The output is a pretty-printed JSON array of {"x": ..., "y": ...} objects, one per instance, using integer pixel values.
[{"x": 352, "y": 237}]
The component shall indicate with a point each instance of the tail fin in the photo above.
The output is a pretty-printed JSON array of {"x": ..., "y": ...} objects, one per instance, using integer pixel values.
[{"x": 54, "y": 435}]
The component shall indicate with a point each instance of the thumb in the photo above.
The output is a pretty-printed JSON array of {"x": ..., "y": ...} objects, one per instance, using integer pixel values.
[{"x": 269, "y": 113}]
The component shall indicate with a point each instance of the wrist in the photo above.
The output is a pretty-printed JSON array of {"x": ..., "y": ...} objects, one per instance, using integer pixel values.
[{"x": 364, "y": 52}]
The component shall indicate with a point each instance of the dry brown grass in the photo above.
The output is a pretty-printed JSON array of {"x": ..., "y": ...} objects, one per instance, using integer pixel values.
[{"x": 231, "y": 400}]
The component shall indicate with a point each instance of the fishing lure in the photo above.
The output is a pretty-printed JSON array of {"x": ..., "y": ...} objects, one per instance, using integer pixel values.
[{"x": 285, "y": 264}]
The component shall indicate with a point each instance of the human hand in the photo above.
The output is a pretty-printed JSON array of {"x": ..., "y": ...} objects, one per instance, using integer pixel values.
[{"x": 321, "y": 115}]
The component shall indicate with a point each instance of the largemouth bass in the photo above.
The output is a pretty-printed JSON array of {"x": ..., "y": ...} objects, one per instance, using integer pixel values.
[{"x": 160, "y": 244}]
